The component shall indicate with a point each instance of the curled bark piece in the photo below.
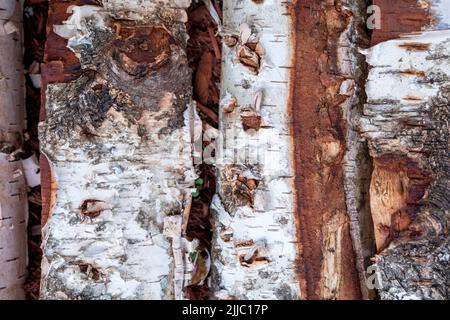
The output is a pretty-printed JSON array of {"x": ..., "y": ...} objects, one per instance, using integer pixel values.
[
  {"x": 248, "y": 58},
  {"x": 229, "y": 105},
  {"x": 250, "y": 119}
]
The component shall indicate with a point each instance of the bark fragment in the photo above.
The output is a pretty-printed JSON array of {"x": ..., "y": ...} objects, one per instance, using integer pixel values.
[{"x": 330, "y": 162}]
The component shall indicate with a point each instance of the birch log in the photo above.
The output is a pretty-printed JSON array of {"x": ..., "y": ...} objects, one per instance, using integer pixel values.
[
  {"x": 254, "y": 247},
  {"x": 406, "y": 124},
  {"x": 118, "y": 139},
  {"x": 13, "y": 202},
  {"x": 406, "y": 121}
]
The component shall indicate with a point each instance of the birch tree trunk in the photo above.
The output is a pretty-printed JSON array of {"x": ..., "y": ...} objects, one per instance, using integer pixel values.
[
  {"x": 118, "y": 139},
  {"x": 254, "y": 250},
  {"x": 305, "y": 230},
  {"x": 406, "y": 122},
  {"x": 13, "y": 201}
]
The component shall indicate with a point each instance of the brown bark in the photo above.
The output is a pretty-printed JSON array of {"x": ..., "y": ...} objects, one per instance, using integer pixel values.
[
  {"x": 400, "y": 17},
  {"x": 319, "y": 134}
]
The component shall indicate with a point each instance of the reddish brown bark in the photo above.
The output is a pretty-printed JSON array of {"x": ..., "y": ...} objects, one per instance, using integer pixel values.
[
  {"x": 398, "y": 17},
  {"x": 204, "y": 56},
  {"x": 317, "y": 123}
]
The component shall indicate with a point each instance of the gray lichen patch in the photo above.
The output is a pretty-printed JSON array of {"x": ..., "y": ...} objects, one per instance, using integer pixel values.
[{"x": 137, "y": 69}]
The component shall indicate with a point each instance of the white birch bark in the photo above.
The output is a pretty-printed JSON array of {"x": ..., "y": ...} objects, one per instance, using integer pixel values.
[
  {"x": 440, "y": 10},
  {"x": 254, "y": 245},
  {"x": 13, "y": 197},
  {"x": 407, "y": 115},
  {"x": 407, "y": 118},
  {"x": 127, "y": 146}
]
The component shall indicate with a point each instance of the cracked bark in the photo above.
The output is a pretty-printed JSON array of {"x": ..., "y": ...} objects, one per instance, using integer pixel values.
[
  {"x": 118, "y": 140},
  {"x": 301, "y": 220},
  {"x": 407, "y": 130}
]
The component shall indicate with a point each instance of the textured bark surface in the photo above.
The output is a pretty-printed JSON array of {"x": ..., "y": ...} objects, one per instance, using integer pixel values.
[
  {"x": 254, "y": 248},
  {"x": 406, "y": 16},
  {"x": 331, "y": 163},
  {"x": 408, "y": 133},
  {"x": 301, "y": 206},
  {"x": 406, "y": 124},
  {"x": 61, "y": 65},
  {"x": 13, "y": 196},
  {"x": 118, "y": 139}
]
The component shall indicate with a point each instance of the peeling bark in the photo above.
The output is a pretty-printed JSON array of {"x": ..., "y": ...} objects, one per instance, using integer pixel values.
[
  {"x": 301, "y": 205},
  {"x": 254, "y": 240},
  {"x": 13, "y": 197},
  {"x": 408, "y": 134},
  {"x": 330, "y": 161},
  {"x": 118, "y": 139}
]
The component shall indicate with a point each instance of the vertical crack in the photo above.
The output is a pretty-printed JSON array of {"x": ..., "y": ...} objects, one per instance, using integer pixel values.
[
  {"x": 205, "y": 61},
  {"x": 34, "y": 21},
  {"x": 359, "y": 168}
]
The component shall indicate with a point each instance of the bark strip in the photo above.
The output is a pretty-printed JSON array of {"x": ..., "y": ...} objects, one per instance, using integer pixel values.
[
  {"x": 408, "y": 133},
  {"x": 330, "y": 162},
  {"x": 406, "y": 124},
  {"x": 254, "y": 240}
]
